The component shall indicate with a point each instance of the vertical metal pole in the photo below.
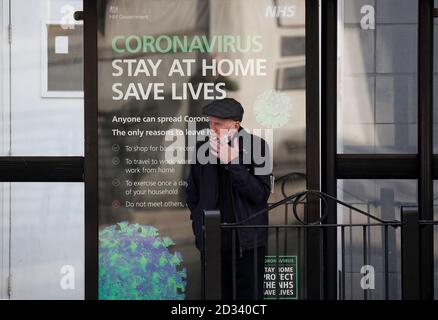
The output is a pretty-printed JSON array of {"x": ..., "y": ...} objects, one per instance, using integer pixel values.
[
  {"x": 277, "y": 266},
  {"x": 233, "y": 265},
  {"x": 388, "y": 208},
  {"x": 311, "y": 238},
  {"x": 425, "y": 146},
  {"x": 328, "y": 142},
  {"x": 410, "y": 246},
  {"x": 342, "y": 293},
  {"x": 212, "y": 254},
  {"x": 90, "y": 164},
  {"x": 386, "y": 264},
  {"x": 256, "y": 270},
  {"x": 365, "y": 256}
]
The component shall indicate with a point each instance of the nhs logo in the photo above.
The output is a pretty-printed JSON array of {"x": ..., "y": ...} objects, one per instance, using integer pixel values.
[{"x": 280, "y": 11}]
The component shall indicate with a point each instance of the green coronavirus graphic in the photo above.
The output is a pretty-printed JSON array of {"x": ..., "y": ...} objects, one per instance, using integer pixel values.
[
  {"x": 136, "y": 264},
  {"x": 272, "y": 109}
]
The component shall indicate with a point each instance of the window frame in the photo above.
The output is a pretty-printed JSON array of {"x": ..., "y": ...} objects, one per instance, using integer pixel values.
[{"x": 422, "y": 166}]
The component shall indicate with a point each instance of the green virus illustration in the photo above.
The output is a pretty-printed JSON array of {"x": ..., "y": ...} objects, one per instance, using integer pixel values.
[
  {"x": 136, "y": 264},
  {"x": 272, "y": 109}
]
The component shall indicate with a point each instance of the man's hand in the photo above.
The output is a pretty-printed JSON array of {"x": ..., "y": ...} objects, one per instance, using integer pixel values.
[{"x": 223, "y": 151}]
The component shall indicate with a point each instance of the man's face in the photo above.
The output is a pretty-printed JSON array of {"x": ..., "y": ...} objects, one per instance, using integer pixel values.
[{"x": 222, "y": 127}]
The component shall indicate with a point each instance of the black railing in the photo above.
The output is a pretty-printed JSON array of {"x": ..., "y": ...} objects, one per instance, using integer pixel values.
[{"x": 390, "y": 246}]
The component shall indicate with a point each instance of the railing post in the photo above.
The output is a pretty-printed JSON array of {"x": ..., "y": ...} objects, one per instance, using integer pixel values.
[
  {"x": 212, "y": 255},
  {"x": 410, "y": 253}
]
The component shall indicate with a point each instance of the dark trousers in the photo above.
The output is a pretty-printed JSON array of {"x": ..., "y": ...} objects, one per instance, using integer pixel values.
[{"x": 250, "y": 268}]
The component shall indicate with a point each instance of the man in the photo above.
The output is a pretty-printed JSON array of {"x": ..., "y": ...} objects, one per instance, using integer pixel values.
[{"x": 238, "y": 184}]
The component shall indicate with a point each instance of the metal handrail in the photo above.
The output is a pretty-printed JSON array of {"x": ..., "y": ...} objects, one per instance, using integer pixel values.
[
  {"x": 428, "y": 222},
  {"x": 284, "y": 180},
  {"x": 296, "y": 226},
  {"x": 295, "y": 198},
  {"x": 409, "y": 237}
]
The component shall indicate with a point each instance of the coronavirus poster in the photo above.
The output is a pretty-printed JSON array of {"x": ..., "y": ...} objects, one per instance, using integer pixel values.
[{"x": 159, "y": 63}]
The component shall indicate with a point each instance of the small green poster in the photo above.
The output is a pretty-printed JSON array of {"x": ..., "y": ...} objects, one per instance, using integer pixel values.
[{"x": 281, "y": 277}]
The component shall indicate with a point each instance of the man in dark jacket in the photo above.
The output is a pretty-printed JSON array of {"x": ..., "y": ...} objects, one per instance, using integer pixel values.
[{"x": 236, "y": 180}]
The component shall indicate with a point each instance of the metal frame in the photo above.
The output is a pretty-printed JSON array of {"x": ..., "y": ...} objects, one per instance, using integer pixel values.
[
  {"x": 211, "y": 260},
  {"x": 41, "y": 169},
  {"x": 425, "y": 143},
  {"x": 21, "y": 169},
  {"x": 409, "y": 230},
  {"x": 422, "y": 166},
  {"x": 91, "y": 152},
  {"x": 350, "y": 166},
  {"x": 328, "y": 141},
  {"x": 91, "y": 156},
  {"x": 410, "y": 241},
  {"x": 381, "y": 166},
  {"x": 313, "y": 246}
]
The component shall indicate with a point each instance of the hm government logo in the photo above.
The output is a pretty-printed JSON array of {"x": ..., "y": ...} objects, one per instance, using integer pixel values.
[
  {"x": 280, "y": 11},
  {"x": 114, "y": 14}
]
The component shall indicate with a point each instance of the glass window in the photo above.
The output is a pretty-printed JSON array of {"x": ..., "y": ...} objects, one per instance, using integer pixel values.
[
  {"x": 377, "y": 83},
  {"x": 273, "y": 102},
  {"x": 42, "y": 240},
  {"x": 382, "y": 199},
  {"x": 41, "y": 114},
  {"x": 291, "y": 78},
  {"x": 42, "y": 107},
  {"x": 293, "y": 46},
  {"x": 64, "y": 57}
]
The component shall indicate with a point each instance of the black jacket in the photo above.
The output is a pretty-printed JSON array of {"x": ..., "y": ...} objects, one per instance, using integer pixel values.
[{"x": 250, "y": 192}]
